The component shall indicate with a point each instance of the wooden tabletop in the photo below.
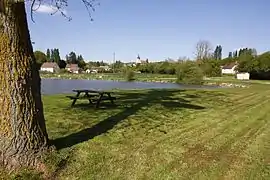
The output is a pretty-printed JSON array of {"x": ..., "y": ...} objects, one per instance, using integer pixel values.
[{"x": 90, "y": 91}]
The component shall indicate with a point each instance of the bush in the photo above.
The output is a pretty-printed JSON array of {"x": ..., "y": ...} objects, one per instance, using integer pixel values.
[
  {"x": 129, "y": 75},
  {"x": 63, "y": 71},
  {"x": 189, "y": 73},
  {"x": 211, "y": 68}
]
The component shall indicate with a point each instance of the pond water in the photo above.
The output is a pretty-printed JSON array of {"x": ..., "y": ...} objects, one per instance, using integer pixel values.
[{"x": 61, "y": 86}]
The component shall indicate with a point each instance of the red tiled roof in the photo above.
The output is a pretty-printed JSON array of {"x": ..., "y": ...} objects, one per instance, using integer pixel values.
[{"x": 73, "y": 67}]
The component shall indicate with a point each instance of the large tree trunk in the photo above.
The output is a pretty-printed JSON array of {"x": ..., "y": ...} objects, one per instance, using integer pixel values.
[{"x": 23, "y": 135}]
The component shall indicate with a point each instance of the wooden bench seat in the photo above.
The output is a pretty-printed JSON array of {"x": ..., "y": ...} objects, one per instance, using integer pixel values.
[
  {"x": 82, "y": 97},
  {"x": 105, "y": 98}
]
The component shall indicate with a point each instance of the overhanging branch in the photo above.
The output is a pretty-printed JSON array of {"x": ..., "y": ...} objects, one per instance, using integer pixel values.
[{"x": 60, "y": 5}]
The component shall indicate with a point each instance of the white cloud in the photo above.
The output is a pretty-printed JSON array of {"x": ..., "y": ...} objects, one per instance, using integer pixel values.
[{"x": 48, "y": 9}]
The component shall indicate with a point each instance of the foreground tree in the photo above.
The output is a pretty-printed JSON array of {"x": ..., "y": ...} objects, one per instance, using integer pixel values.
[
  {"x": 22, "y": 126},
  {"x": 23, "y": 136}
]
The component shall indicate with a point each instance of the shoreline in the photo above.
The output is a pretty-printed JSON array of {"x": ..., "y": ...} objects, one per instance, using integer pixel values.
[{"x": 150, "y": 80}]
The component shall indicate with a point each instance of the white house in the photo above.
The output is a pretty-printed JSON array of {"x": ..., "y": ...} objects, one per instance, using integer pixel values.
[
  {"x": 242, "y": 76},
  {"x": 50, "y": 67},
  {"x": 229, "y": 68}
]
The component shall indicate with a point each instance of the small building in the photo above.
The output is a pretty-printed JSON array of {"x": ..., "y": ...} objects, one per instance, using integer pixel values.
[
  {"x": 50, "y": 67},
  {"x": 92, "y": 71},
  {"x": 229, "y": 68},
  {"x": 105, "y": 68},
  {"x": 100, "y": 69},
  {"x": 73, "y": 68},
  {"x": 130, "y": 64},
  {"x": 242, "y": 76}
]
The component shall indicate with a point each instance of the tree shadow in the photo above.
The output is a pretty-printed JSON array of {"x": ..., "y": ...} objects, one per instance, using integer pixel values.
[
  {"x": 86, "y": 106},
  {"x": 134, "y": 102}
]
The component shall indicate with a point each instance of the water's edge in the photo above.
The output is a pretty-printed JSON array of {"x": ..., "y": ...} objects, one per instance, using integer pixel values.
[{"x": 63, "y": 86}]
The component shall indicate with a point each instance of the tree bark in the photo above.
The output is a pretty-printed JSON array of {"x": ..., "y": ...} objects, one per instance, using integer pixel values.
[{"x": 23, "y": 136}]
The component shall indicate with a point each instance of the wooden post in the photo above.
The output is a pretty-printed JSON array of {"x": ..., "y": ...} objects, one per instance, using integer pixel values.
[{"x": 99, "y": 100}]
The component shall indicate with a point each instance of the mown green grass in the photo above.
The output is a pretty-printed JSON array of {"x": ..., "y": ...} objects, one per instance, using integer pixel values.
[
  {"x": 232, "y": 79},
  {"x": 163, "y": 134}
]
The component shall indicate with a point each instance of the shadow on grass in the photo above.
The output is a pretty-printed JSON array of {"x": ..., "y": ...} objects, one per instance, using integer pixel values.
[{"x": 136, "y": 102}]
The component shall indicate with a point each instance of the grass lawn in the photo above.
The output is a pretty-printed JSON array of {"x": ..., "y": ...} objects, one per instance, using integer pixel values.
[
  {"x": 232, "y": 79},
  {"x": 163, "y": 134}
]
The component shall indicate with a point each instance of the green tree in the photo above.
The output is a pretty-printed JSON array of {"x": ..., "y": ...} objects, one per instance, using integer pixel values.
[
  {"x": 129, "y": 74},
  {"x": 230, "y": 55},
  {"x": 150, "y": 68},
  {"x": 48, "y": 54},
  {"x": 235, "y": 54},
  {"x": 257, "y": 65},
  {"x": 56, "y": 55},
  {"x": 189, "y": 73},
  {"x": 81, "y": 62},
  {"x": 218, "y": 53},
  {"x": 23, "y": 132},
  {"x": 67, "y": 59},
  {"x": 40, "y": 58},
  {"x": 246, "y": 61},
  {"x": 117, "y": 65},
  {"x": 62, "y": 64},
  {"x": 245, "y": 51},
  {"x": 254, "y": 52},
  {"x": 72, "y": 58},
  {"x": 52, "y": 56},
  {"x": 22, "y": 125},
  {"x": 263, "y": 62},
  {"x": 211, "y": 68},
  {"x": 203, "y": 50}
]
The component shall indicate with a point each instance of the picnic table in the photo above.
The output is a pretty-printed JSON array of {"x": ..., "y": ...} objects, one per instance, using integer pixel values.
[{"x": 94, "y": 96}]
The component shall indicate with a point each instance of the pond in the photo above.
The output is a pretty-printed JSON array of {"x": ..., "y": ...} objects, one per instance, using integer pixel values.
[{"x": 61, "y": 86}]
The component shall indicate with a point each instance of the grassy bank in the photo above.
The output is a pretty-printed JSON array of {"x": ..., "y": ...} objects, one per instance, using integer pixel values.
[
  {"x": 165, "y": 78},
  {"x": 232, "y": 79},
  {"x": 112, "y": 76},
  {"x": 163, "y": 134}
]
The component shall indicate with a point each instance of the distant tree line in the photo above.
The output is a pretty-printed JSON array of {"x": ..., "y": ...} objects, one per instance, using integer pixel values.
[
  {"x": 210, "y": 62},
  {"x": 207, "y": 60},
  {"x": 249, "y": 61},
  {"x": 53, "y": 55}
]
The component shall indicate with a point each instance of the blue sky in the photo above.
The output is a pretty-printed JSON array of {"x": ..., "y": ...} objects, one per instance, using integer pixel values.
[{"x": 155, "y": 29}]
